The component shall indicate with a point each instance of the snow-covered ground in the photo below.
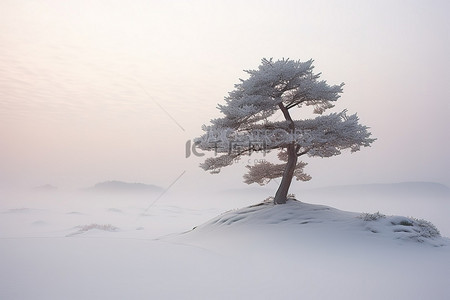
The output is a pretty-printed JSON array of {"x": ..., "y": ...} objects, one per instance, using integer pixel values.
[{"x": 102, "y": 246}]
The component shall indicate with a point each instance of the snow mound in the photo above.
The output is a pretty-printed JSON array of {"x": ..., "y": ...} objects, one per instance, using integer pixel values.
[
  {"x": 293, "y": 212},
  {"x": 297, "y": 216}
]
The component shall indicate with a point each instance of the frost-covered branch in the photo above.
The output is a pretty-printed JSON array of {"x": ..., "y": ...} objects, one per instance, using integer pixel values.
[
  {"x": 322, "y": 136},
  {"x": 284, "y": 81},
  {"x": 265, "y": 171}
]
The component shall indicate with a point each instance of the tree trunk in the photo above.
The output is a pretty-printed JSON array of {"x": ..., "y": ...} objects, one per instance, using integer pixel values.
[{"x": 283, "y": 189}]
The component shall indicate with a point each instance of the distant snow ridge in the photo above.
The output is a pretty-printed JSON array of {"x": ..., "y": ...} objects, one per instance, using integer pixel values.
[
  {"x": 115, "y": 186},
  {"x": 303, "y": 216}
]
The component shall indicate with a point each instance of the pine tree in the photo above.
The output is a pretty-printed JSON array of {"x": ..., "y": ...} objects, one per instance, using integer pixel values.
[{"x": 246, "y": 125}]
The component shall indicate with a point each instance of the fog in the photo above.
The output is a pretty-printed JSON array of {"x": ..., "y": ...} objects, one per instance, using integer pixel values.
[
  {"x": 100, "y": 186},
  {"x": 113, "y": 90}
]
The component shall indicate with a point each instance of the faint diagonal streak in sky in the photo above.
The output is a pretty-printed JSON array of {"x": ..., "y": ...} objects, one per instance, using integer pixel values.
[
  {"x": 159, "y": 105},
  {"x": 162, "y": 194}
]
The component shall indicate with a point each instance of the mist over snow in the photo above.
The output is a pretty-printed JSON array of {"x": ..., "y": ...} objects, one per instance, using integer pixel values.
[
  {"x": 115, "y": 186},
  {"x": 336, "y": 242}
]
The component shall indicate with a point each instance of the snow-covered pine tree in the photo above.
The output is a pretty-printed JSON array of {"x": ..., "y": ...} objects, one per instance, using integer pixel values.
[{"x": 279, "y": 86}]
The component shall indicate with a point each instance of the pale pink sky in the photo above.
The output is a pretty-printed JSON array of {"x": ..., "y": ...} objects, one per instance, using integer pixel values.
[{"x": 85, "y": 85}]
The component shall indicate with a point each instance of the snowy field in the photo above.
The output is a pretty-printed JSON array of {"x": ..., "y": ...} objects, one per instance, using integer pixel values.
[{"x": 80, "y": 245}]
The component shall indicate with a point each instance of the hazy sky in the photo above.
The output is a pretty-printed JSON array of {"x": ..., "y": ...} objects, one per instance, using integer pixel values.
[{"x": 100, "y": 90}]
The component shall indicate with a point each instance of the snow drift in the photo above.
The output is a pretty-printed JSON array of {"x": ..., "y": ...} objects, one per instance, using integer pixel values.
[{"x": 100, "y": 247}]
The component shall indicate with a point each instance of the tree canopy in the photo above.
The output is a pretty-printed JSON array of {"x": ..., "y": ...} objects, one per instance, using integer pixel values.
[{"x": 247, "y": 124}]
